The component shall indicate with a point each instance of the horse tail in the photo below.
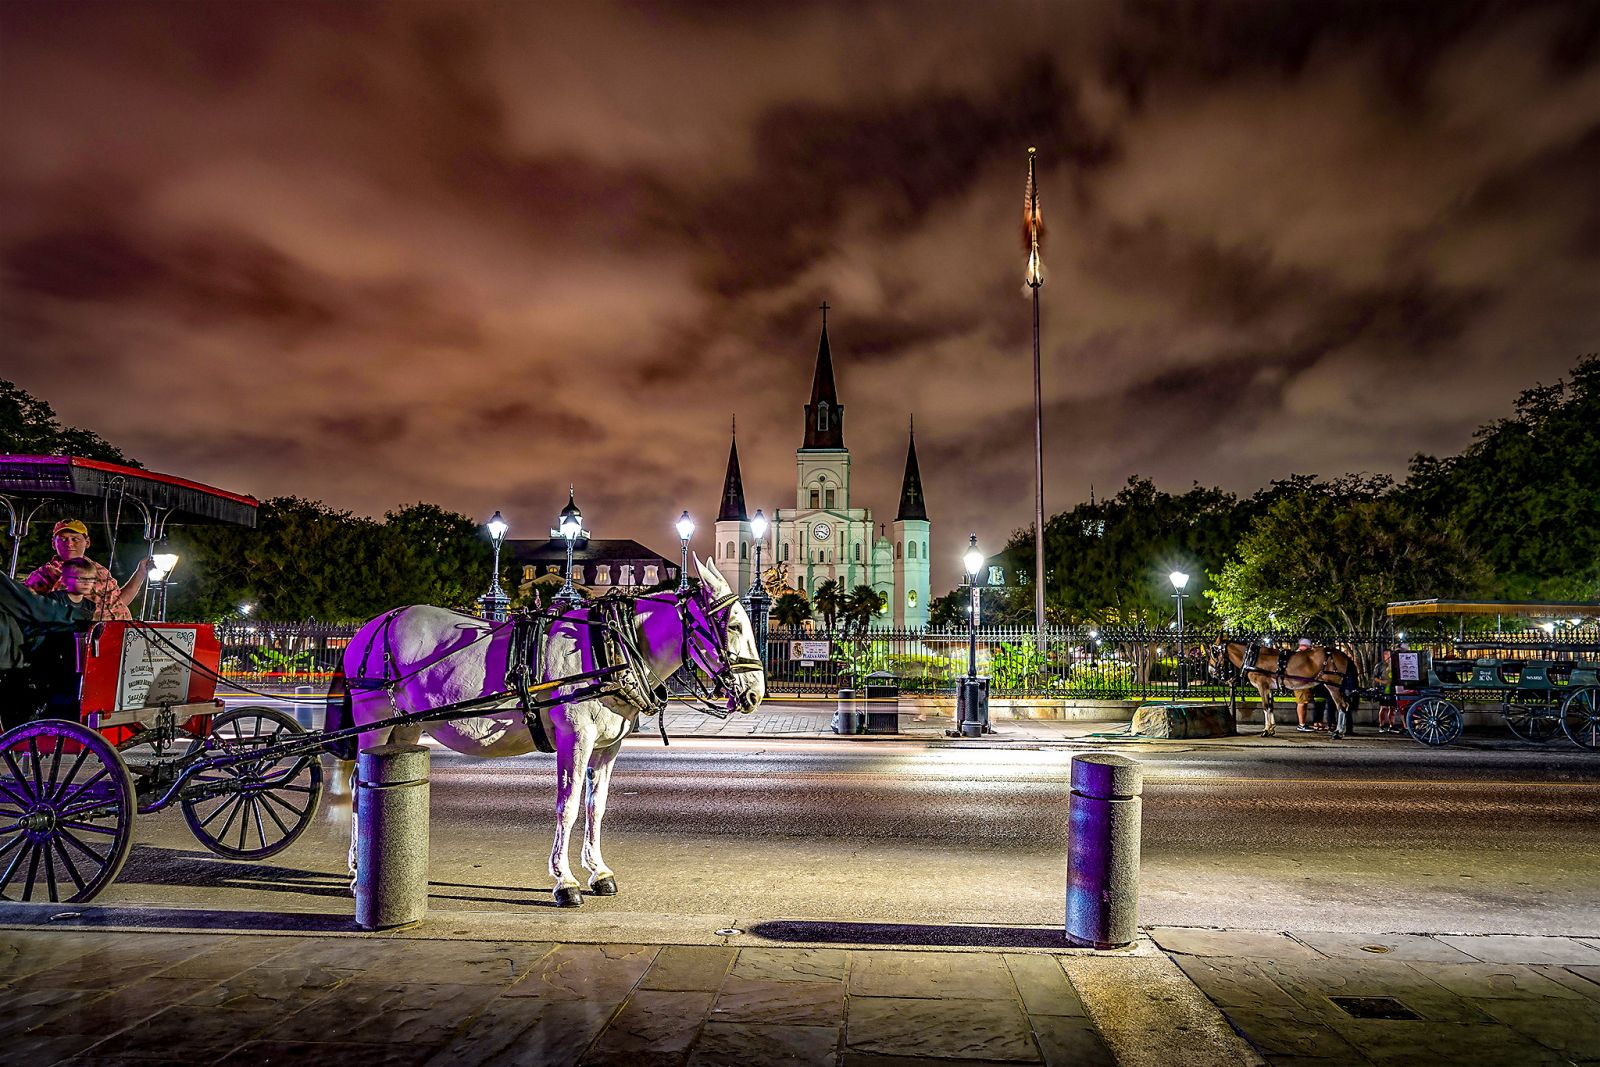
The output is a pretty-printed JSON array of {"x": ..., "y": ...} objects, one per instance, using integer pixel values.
[{"x": 340, "y": 716}]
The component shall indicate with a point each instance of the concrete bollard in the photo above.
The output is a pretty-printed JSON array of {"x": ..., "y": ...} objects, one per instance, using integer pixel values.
[
  {"x": 392, "y": 836},
  {"x": 1104, "y": 813}
]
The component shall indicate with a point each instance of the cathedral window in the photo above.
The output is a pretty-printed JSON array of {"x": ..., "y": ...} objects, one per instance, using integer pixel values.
[
  {"x": 912, "y": 546},
  {"x": 822, "y": 417},
  {"x": 858, "y": 551},
  {"x": 924, "y": 550},
  {"x": 829, "y": 496},
  {"x": 816, "y": 499},
  {"x": 727, "y": 552},
  {"x": 744, "y": 549},
  {"x": 898, "y": 549},
  {"x": 786, "y": 553}
]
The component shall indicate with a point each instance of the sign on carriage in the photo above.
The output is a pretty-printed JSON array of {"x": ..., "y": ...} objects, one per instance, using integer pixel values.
[
  {"x": 155, "y": 672},
  {"x": 1410, "y": 664},
  {"x": 809, "y": 651}
]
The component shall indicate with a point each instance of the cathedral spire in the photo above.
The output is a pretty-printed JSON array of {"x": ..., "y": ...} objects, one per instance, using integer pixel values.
[
  {"x": 733, "y": 489},
  {"x": 824, "y": 415},
  {"x": 912, "y": 505}
]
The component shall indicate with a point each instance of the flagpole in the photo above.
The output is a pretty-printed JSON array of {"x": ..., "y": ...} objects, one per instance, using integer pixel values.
[{"x": 1035, "y": 281}]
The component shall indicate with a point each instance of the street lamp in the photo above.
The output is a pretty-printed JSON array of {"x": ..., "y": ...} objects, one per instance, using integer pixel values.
[
  {"x": 495, "y": 601},
  {"x": 569, "y": 527},
  {"x": 1179, "y": 580},
  {"x": 685, "y": 531},
  {"x": 972, "y": 698},
  {"x": 162, "y": 564},
  {"x": 756, "y": 600}
]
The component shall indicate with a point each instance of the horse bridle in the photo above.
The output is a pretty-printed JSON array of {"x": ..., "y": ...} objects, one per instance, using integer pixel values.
[{"x": 712, "y": 640}]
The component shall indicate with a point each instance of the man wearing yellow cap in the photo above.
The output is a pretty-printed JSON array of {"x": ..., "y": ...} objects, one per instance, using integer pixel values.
[{"x": 71, "y": 539}]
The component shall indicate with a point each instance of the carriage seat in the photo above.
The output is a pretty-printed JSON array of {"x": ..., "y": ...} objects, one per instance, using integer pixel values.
[{"x": 1453, "y": 671}]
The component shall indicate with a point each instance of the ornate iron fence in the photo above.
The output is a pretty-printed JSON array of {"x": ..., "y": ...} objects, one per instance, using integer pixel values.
[{"x": 1081, "y": 662}]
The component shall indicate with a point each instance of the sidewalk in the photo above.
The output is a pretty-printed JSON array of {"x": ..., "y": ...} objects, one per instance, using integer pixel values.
[{"x": 117, "y": 997}]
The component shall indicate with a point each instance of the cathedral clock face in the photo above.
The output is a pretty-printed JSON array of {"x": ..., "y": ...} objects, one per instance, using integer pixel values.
[{"x": 821, "y": 531}]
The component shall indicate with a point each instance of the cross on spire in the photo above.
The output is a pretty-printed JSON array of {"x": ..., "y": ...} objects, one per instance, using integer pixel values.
[{"x": 824, "y": 305}]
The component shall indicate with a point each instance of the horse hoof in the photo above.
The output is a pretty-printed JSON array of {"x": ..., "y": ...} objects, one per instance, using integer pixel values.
[
  {"x": 1337, "y": 736},
  {"x": 568, "y": 896},
  {"x": 604, "y": 887},
  {"x": 1268, "y": 732}
]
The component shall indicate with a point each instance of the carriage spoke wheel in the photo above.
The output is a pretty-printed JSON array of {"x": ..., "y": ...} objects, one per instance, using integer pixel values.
[
  {"x": 1536, "y": 723},
  {"x": 248, "y": 807},
  {"x": 66, "y": 812},
  {"x": 1434, "y": 721},
  {"x": 1580, "y": 718}
]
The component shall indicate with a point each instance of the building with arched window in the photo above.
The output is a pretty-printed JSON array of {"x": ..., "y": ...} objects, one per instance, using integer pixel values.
[{"x": 823, "y": 537}]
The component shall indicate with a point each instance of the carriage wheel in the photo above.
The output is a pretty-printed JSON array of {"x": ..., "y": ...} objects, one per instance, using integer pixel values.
[
  {"x": 1434, "y": 721},
  {"x": 1580, "y": 718},
  {"x": 66, "y": 812},
  {"x": 250, "y": 809},
  {"x": 1536, "y": 723}
]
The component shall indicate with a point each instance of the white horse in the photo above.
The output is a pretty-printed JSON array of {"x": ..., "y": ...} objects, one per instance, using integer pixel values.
[{"x": 417, "y": 659}]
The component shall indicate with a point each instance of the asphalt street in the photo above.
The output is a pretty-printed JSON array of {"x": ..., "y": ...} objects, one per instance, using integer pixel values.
[{"x": 1375, "y": 835}]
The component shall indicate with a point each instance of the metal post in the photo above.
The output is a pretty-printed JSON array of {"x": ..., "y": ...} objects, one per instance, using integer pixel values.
[
  {"x": 392, "y": 836},
  {"x": 1038, "y": 483},
  {"x": 757, "y": 603},
  {"x": 683, "y": 567},
  {"x": 1183, "y": 682},
  {"x": 1104, "y": 813}
]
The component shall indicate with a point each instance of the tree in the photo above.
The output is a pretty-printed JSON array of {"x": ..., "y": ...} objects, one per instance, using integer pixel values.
[
  {"x": 791, "y": 609},
  {"x": 949, "y": 612},
  {"x": 29, "y": 426},
  {"x": 862, "y": 608},
  {"x": 829, "y": 601},
  {"x": 1523, "y": 494},
  {"x": 1316, "y": 560},
  {"x": 433, "y": 556}
]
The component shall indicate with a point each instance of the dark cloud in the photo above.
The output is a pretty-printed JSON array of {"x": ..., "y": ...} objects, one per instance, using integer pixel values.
[{"x": 373, "y": 253}]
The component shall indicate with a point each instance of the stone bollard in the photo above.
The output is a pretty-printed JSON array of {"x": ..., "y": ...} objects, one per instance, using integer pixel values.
[
  {"x": 1103, "y": 850},
  {"x": 392, "y": 836}
]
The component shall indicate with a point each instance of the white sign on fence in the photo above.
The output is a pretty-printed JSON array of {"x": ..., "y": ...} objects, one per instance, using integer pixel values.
[
  {"x": 808, "y": 650},
  {"x": 152, "y": 672}
]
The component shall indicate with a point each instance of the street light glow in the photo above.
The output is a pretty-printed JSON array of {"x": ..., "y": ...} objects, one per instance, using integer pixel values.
[
  {"x": 685, "y": 527},
  {"x": 973, "y": 558},
  {"x": 162, "y": 564},
  {"x": 758, "y": 526},
  {"x": 1178, "y": 579},
  {"x": 497, "y": 527}
]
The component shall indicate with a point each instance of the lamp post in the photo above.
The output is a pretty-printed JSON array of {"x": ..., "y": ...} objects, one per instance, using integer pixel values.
[
  {"x": 1179, "y": 580},
  {"x": 756, "y": 601},
  {"x": 569, "y": 527},
  {"x": 162, "y": 564},
  {"x": 972, "y": 698},
  {"x": 495, "y": 601},
  {"x": 685, "y": 531}
]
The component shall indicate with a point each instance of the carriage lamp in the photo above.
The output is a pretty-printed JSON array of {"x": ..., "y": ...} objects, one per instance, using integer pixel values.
[
  {"x": 756, "y": 600},
  {"x": 495, "y": 601},
  {"x": 972, "y": 694},
  {"x": 569, "y": 527},
  {"x": 162, "y": 564},
  {"x": 1179, "y": 580},
  {"x": 685, "y": 531}
]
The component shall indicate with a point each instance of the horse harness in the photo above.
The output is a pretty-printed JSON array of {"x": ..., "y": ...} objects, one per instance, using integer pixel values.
[{"x": 1280, "y": 675}]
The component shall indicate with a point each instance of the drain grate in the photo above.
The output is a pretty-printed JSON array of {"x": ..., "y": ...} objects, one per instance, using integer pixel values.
[{"x": 1374, "y": 1008}]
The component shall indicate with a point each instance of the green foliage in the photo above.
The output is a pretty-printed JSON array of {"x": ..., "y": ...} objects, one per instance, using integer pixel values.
[
  {"x": 921, "y": 668},
  {"x": 791, "y": 610},
  {"x": 1523, "y": 494},
  {"x": 274, "y": 661},
  {"x": 1112, "y": 679},
  {"x": 1325, "y": 557},
  {"x": 1017, "y": 666},
  {"x": 29, "y": 426},
  {"x": 828, "y": 601}
]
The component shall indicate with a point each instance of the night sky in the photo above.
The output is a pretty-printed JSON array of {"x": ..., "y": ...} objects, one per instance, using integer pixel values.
[{"x": 470, "y": 252}]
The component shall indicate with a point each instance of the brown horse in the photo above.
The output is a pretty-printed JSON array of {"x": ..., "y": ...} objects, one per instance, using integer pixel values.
[{"x": 1270, "y": 668}]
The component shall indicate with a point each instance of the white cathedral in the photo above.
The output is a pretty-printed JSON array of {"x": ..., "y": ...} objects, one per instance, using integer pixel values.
[{"x": 822, "y": 536}]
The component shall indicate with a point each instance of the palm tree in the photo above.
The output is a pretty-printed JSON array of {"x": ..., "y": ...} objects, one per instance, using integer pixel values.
[
  {"x": 829, "y": 599},
  {"x": 791, "y": 610},
  {"x": 861, "y": 608}
]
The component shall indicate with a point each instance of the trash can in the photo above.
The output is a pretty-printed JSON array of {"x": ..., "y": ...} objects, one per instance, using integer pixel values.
[
  {"x": 883, "y": 703},
  {"x": 972, "y": 706},
  {"x": 847, "y": 716}
]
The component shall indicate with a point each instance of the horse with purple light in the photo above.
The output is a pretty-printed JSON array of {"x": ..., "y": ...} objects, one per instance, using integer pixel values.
[{"x": 420, "y": 658}]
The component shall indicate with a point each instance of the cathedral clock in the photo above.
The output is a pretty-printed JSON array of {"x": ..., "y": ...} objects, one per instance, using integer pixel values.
[{"x": 821, "y": 531}]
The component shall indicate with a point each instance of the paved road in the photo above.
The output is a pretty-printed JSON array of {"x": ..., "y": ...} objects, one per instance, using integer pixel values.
[{"x": 1376, "y": 836}]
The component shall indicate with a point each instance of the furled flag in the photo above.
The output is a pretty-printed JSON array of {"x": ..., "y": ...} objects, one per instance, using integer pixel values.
[{"x": 1032, "y": 226}]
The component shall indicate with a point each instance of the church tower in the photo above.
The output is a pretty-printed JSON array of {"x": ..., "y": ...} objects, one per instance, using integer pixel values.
[
  {"x": 823, "y": 482},
  {"x": 911, "y": 569},
  {"x": 734, "y": 542}
]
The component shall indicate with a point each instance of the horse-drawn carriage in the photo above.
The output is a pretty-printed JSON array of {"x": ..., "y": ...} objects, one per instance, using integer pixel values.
[
  {"x": 152, "y": 733},
  {"x": 1543, "y": 685}
]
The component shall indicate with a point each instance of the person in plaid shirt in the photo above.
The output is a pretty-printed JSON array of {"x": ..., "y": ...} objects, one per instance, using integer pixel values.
[{"x": 71, "y": 539}]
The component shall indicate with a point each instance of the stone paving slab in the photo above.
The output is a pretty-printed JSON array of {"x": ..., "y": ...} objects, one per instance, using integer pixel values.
[
  {"x": 1521, "y": 948},
  {"x": 180, "y": 998}
]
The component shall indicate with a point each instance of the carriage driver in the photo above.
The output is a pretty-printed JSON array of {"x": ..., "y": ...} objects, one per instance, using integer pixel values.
[
  {"x": 71, "y": 540},
  {"x": 27, "y": 622}
]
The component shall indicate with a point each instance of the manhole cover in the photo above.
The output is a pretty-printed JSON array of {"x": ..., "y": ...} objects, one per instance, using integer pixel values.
[
  {"x": 1374, "y": 1008},
  {"x": 1375, "y": 948}
]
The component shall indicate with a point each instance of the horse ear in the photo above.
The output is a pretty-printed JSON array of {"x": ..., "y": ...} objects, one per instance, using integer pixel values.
[{"x": 710, "y": 575}]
